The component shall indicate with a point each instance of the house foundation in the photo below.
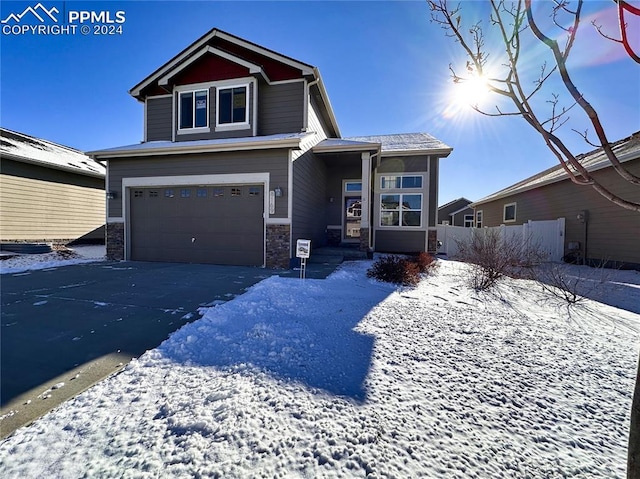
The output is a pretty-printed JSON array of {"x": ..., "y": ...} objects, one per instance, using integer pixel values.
[
  {"x": 115, "y": 241},
  {"x": 278, "y": 246}
]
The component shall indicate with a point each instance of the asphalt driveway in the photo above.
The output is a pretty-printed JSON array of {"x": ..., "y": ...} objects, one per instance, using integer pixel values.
[{"x": 64, "y": 329}]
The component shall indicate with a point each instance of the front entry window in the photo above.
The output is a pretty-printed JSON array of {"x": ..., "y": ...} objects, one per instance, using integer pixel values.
[{"x": 353, "y": 214}]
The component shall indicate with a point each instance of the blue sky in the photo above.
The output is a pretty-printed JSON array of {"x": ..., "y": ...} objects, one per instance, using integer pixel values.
[{"x": 385, "y": 66}]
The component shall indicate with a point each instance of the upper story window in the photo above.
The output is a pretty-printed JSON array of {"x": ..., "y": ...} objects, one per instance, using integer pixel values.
[
  {"x": 479, "y": 219},
  {"x": 233, "y": 105},
  {"x": 400, "y": 182},
  {"x": 193, "y": 109}
]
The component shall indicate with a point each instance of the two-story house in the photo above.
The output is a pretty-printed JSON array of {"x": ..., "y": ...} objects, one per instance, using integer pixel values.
[{"x": 242, "y": 156}]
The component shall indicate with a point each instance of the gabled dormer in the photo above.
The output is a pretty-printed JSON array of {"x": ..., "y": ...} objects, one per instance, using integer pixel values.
[{"x": 222, "y": 86}]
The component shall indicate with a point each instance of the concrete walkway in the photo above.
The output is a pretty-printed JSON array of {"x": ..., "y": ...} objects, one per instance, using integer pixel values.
[{"x": 65, "y": 329}]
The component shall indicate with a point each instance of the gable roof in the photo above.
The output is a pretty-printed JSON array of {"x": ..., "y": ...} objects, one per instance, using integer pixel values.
[
  {"x": 258, "y": 60},
  {"x": 400, "y": 144},
  {"x": 625, "y": 150},
  {"x": 29, "y": 149},
  {"x": 452, "y": 202}
]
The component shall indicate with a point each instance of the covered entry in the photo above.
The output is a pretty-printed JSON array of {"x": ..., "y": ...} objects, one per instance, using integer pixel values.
[{"x": 217, "y": 224}]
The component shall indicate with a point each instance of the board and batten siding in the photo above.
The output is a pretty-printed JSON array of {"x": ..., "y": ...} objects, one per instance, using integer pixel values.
[
  {"x": 281, "y": 108},
  {"x": 613, "y": 232},
  {"x": 158, "y": 118},
  {"x": 274, "y": 162},
  {"x": 43, "y": 204}
]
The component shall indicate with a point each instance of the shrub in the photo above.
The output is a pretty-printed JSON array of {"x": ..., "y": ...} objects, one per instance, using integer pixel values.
[
  {"x": 493, "y": 257},
  {"x": 425, "y": 262},
  {"x": 400, "y": 270}
]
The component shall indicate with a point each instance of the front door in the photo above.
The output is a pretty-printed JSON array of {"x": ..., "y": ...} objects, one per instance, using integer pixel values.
[{"x": 352, "y": 217}]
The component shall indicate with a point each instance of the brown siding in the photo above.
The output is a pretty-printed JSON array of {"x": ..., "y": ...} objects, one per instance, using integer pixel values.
[
  {"x": 159, "y": 119},
  {"x": 274, "y": 162},
  {"x": 41, "y": 204},
  {"x": 613, "y": 232},
  {"x": 309, "y": 199},
  {"x": 399, "y": 241},
  {"x": 280, "y": 108}
]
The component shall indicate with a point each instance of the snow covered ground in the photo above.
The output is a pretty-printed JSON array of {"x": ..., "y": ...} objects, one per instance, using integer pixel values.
[
  {"x": 347, "y": 377},
  {"x": 26, "y": 262}
]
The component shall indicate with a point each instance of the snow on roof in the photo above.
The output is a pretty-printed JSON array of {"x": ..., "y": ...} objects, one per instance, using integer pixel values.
[
  {"x": 398, "y": 143},
  {"x": 30, "y": 149},
  {"x": 404, "y": 142},
  {"x": 625, "y": 150},
  {"x": 221, "y": 143}
]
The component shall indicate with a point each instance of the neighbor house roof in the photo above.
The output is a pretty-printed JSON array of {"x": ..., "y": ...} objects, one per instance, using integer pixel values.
[
  {"x": 29, "y": 149},
  {"x": 626, "y": 149},
  {"x": 281, "y": 140},
  {"x": 400, "y": 144},
  {"x": 454, "y": 201}
]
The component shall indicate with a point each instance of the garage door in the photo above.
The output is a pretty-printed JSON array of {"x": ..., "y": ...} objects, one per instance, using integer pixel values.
[{"x": 198, "y": 224}]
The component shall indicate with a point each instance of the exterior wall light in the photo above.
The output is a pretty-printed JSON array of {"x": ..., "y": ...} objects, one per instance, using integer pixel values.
[
  {"x": 278, "y": 192},
  {"x": 111, "y": 195}
]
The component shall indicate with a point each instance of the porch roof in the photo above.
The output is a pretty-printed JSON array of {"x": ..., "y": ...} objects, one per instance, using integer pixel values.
[{"x": 401, "y": 144}]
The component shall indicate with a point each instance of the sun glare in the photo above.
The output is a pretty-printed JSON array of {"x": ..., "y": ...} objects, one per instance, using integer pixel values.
[{"x": 468, "y": 92}]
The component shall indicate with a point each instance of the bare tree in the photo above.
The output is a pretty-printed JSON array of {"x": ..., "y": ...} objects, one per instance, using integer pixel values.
[{"x": 509, "y": 20}]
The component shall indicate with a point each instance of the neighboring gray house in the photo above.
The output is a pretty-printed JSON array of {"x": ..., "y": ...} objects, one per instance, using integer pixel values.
[
  {"x": 596, "y": 229},
  {"x": 456, "y": 213},
  {"x": 48, "y": 192},
  {"x": 242, "y": 156}
]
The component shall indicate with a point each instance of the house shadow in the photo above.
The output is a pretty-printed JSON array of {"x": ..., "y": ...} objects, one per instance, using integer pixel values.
[{"x": 296, "y": 331}]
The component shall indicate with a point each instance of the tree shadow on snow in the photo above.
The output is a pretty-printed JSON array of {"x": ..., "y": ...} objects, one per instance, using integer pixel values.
[{"x": 300, "y": 331}]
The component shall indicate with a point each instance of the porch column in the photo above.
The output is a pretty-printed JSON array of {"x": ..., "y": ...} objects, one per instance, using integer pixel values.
[{"x": 365, "y": 234}]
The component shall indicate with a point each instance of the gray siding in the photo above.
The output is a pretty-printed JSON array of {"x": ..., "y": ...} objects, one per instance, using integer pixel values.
[
  {"x": 309, "y": 199},
  {"x": 458, "y": 218},
  {"x": 212, "y": 134},
  {"x": 445, "y": 212},
  {"x": 401, "y": 164},
  {"x": 613, "y": 232},
  {"x": 275, "y": 162},
  {"x": 433, "y": 190},
  {"x": 280, "y": 108},
  {"x": 350, "y": 168},
  {"x": 43, "y": 204},
  {"x": 159, "y": 119},
  {"x": 399, "y": 241}
]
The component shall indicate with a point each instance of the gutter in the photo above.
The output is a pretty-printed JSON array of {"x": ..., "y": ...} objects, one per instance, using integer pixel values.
[{"x": 176, "y": 148}]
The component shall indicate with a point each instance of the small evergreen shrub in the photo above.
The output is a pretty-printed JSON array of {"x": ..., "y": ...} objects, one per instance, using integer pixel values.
[{"x": 396, "y": 269}]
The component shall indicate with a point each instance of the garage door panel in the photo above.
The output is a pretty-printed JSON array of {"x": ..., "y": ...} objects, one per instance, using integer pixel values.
[{"x": 212, "y": 224}]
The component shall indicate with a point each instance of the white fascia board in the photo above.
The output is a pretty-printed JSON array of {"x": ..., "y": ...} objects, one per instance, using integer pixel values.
[
  {"x": 325, "y": 99},
  {"x": 176, "y": 150},
  {"x": 167, "y": 67},
  {"x": 252, "y": 67},
  {"x": 461, "y": 210},
  {"x": 304, "y": 68},
  {"x": 443, "y": 152},
  {"x": 347, "y": 148}
]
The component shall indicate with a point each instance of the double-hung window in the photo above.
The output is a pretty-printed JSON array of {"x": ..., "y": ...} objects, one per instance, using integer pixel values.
[
  {"x": 233, "y": 105},
  {"x": 193, "y": 106}
]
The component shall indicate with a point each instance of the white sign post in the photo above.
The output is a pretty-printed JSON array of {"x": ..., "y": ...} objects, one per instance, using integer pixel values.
[{"x": 303, "y": 250}]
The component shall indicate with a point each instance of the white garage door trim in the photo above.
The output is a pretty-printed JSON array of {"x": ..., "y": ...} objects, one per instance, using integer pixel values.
[{"x": 226, "y": 179}]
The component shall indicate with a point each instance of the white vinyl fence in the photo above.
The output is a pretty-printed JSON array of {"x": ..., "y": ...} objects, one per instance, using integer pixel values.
[{"x": 547, "y": 236}]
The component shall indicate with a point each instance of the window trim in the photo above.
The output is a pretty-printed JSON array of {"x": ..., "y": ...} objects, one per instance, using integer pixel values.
[
  {"x": 401, "y": 176},
  {"x": 467, "y": 220},
  {"x": 479, "y": 214},
  {"x": 400, "y": 209},
  {"x": 504, "y": 212},
  {"x": 193, "y": 90},
  {"x": 233, "y": 125}
]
